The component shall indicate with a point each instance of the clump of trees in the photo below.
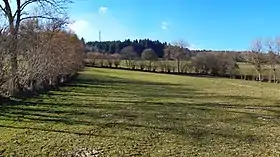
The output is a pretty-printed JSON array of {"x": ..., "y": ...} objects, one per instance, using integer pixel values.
[
  {"x": 129, "y": 55},
  {"x": 217, "y": 64},
  {"x": 150, "y": 56},
  {"x": 103, "y": 60},
  {"x": 178, "y": 52},
  {"x": 256, "y": 57},
  {"x": 177, "y": 58},
  {"x": 36, "y": 51},
  {"x": 264, "y": 53},
  {"x": 138, "y": 46}
]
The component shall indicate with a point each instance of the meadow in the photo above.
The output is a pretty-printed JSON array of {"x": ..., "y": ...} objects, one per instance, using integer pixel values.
[
  {"x": 244, "y": 69},
  {"x": 109, "y": 112}
]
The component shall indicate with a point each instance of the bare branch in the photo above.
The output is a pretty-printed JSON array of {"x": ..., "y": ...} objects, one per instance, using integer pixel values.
[
  {"x": 256, "y": 56},
  {"x": 257, "y": 45},
  {"x": 277, "y": 45},
  {"x": 1, "y": 7},
  {"x": 39, "y": 17}
]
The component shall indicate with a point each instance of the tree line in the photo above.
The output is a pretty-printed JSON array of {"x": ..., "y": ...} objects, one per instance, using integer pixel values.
[
  {"x": 116, "y": 46},
  {"x": 37, "y": 52},
  {"x": 111, "y": 47},
  {"x": 177, "y": 58},
  {"x": 264, "y": 52}
]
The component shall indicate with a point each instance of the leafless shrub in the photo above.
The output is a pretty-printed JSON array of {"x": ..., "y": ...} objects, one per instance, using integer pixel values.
[
  {"x": 109, "y": 60},
  {"x": 92, "y": 58},
  {"x": 178, "y": 51},
  {"x": 150, "y": 56},
  {"x": 214, "y": 63},
  {"x": 129, "y": 55},
  {"x": 142, "y": 64},
  {"x": 116, "y": 59},
  {"x": 27, "y": 35},
  {"x": 46, "y": 56},
  {"x": 256, "y": 57},
  {"x": 272, "y": 47}
]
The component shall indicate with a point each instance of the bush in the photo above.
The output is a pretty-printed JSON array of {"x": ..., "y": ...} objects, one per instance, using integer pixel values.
[
  {"x": 214, "y": 63},
  {"x": 45, "y": 58},
  {"x": 116, "y": 59},
  {"x": 142, "y": 64}
]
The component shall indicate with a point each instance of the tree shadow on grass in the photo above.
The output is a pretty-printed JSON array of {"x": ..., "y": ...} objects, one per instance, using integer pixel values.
[
  {"x": 120, "y": 87},
  {"x": 195, "y": 130},
  {"x": 126, "y": 113},
  {"x": 107, "y": 80},
  {"x": 66, "y": 132}
]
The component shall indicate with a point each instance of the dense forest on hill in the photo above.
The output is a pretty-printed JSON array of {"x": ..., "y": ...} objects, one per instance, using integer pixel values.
[
  {"x": 117, "y": 46},
  {"x": 138, "y": 45}
]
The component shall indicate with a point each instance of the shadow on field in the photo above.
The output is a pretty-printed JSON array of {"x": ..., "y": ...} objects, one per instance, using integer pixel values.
[
  {"x": 123, "y": 104},
  {"x": 61, "y": 131}
]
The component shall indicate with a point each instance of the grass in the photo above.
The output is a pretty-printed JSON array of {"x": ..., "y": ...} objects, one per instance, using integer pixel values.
[
  {"x": 126, "y": 113},
  {"x": 244, "y": 68}
]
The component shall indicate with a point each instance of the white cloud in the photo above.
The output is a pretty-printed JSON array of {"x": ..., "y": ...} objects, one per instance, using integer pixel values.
[
  {"x": 103, "y": 9},
  {"x": 195, "y": 47},
  {"x": 88, "y": 26},
  {"x": 164, "y": 25},
  {"x": 79, "y": 25}
]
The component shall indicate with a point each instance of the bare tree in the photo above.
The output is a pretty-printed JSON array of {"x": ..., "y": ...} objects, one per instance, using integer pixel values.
[
  {"x": 3, "y": 62},
  {"x": 256, "y": 57},
  {"x": 226, "y": 63},
  {"x": 91, "y": 58},
  {"x": 161, "y": 65},
  {"x": 149, "y": 55},
  {"x": 52, "y": 56},
  {"x": 272, "y": 57},
  {"x": 101, "y": 59},
  {"x": 142, "y": 64},
  {"x": 277, "y": 45},
  {"x": 116, "y": 59},
  {"x": 47, "y": 55},
  {"x": 167, "y": 52},
  {"x": 168, "y": 66},
  {"x": 277, "y": 51},
  {"x": 46, "y": 9},
  {"x": 178, "y": 51},
  {"x": 215, "y": 63},
  {"x": 129, "y": 55},
  {"x": 109, "y": 60}
]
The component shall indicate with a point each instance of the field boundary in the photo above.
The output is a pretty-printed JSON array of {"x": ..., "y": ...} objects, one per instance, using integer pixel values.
[{"x": 239, "y": 77}]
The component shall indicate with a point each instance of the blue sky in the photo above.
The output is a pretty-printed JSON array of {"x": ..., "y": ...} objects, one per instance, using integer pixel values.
[{"x": 204, "y": 24}]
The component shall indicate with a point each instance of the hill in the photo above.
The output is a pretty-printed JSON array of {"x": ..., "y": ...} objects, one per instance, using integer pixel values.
[{"x": 138, "y": 45}]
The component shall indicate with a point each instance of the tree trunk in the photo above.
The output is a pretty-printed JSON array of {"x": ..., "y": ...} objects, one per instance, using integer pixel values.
[
  {"x": 178, "y": 65},
  {"x": 270, "y": 77},
  {"x": 14, "y": 80},
  {"x": 32, "y": 85},
  {"x": 260, "y": 79},
  {"x": 258, "y": 70},
  {"x": 12, "y": 49},
  {"x": 274, "y": 75},
  {"x": 129, "y": 63}
]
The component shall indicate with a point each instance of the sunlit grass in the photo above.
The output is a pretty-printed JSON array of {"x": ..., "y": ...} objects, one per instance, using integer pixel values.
[{"x": 124, "y": 113}]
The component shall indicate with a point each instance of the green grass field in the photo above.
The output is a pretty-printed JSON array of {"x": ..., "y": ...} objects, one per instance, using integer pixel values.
[
  {"x": 245, "y": 69},
  {"x": 125, "y": 113}
]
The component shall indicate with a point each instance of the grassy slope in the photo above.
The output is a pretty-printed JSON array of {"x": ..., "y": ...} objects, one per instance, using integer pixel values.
[{"x": 135, "y": 113}]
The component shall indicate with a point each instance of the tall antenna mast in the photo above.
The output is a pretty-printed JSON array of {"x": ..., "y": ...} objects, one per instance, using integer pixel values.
[{"x": 99, "y": 36}]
